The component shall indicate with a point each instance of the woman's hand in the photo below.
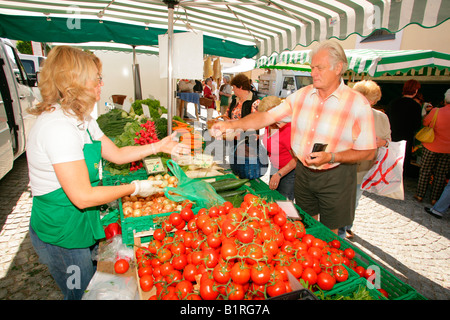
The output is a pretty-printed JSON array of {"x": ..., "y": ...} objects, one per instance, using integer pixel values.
[{"x": 274, "y": 181}]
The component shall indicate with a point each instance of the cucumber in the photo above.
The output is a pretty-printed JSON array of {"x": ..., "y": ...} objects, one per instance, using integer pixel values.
[
  {"x": 228, "y": 184},
  {"x": 232, "y": 193}
]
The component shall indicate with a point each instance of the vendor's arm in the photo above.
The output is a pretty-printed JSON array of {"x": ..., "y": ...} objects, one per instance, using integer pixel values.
[
  {"x": 74, "y": 179},
  {"x": 128, "y": 154}
]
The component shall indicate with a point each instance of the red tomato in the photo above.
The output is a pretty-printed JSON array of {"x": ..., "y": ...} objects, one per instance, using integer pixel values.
[
  {"x": 309, "y": 275},
  {"x": 384, "y": 292},
  {"x": 235, "y": 291},
  {"x": 192, "y": 225},
  {"x": 315, "y": 252},
  {"x": 214, "y": 240},
  {"x": 186, "y": 214},
  {"x": 349, "y": 253},
  {"x": 280, "y": 219},
  {"x": 335, "y": 243},
  {"x": 340, "y": 273},
  {"x": 183, "y": 288},
  {"x": 260, "y": 273},
  {"x": 240, "y": 273},
  {"x": 175, "y": 218},
  {"x": 276, "y": 289},
  {"x": 179, "y": 262},
  {"x": 369, "y": 273},
  {"x": 145, "y": 270},
  {"x": 245, "y": 235},
  {"x": 121, "y": 266},
  {"x": 211, "y": 257},
  {"x": 308, "y": 238},
  {"x": 221, "y": 273},
  {"x": 207, "y": 291},
  {"x": 360, "y": 271},
  {"x": 325, "y": 281},
  {"x": 228, "y": 250},
  {"x": 159, "y": 234},
  {"x": 189, "y": 272},
  {"x": 296, "y": 269},
  {"x": 227, "y": 206},
  {"x": 146, "y": 282}
]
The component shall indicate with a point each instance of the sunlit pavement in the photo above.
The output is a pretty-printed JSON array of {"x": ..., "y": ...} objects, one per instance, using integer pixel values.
[{"x": 399, "y": 235}]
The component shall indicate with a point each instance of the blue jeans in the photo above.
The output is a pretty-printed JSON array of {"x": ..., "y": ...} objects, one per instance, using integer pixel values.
[
  {"x": 72, "y": 269},
  {"x": 443, "y": 203}
]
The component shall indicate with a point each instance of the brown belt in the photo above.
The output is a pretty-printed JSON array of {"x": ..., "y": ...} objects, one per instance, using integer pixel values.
[{"x": 322, "y": 170}]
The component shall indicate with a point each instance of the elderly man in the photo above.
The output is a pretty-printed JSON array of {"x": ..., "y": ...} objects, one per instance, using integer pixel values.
[{"x": 326, "y": 112}]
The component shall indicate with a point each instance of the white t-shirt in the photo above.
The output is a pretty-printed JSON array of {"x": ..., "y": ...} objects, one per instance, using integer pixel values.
[{"x": 56, "y": 138}]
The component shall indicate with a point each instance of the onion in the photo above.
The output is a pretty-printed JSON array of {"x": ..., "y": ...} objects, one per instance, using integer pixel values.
[
  {"x": 172, "y": 180},
  {"x": 137, "y": 213},
  {"x": 127, "y": 211},
  {"x": 137, "y": 205},
  {"x": 166, "y": 176}
]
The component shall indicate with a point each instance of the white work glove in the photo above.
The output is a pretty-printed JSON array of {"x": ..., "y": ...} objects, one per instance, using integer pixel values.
[{"x": 145, "y": 188}]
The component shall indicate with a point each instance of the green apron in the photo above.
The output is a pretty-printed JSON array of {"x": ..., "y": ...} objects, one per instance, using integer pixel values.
[{"x": 57, "y": 221}]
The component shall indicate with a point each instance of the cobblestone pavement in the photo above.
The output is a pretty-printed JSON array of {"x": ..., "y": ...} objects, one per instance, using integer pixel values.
[{"x": 399, "y": 235}]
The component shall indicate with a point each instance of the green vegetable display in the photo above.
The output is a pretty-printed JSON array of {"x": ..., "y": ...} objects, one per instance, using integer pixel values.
[{"x": 154, "y": 106}]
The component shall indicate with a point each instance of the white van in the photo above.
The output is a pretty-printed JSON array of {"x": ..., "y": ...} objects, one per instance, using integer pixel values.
[
  {"x": 281, "y": 83},
  {"x": 33, "y": 65},
  {"x": 16, "y": 96}
]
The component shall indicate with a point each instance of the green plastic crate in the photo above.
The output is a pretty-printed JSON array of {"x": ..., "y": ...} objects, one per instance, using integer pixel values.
[
  {"x": 414, "y": 296},
  {"x": 347, "y": 291},
  {"x": 397, "y": 289},
  {"x": 111, "y": 180},
  {"x": 259, "y": 186}
]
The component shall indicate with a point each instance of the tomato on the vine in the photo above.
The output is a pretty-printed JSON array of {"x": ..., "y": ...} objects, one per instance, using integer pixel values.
[
  {"x": 276, "y": 289},
  {"x": 340, "y": 273},
  {"x": 240, "y": 273},
  {"x": 325, "y": 281},
  {"x": 260, "y": 273},
  {"x": 310, "y": 276},
  {"x": 349, "y": 253},
  {"x": 146, "y": 282}
]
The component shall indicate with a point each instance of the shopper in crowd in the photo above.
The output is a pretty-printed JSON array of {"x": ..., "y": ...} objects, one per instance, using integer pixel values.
[
  {"x": 435, "y": 158},
  {"x": 405, "y": 116},
  {"x": 208, "y": 93},
  {"x": 225, "y": 95},
  {"x": 441, "y": 206},
  {"x": 64, "y": 150},
  {"x": 243, "y": 102},
  {"x": 277, "y": 140},
  {"x": 372, "y": 92},
  {"x": 326, "y": 112}
]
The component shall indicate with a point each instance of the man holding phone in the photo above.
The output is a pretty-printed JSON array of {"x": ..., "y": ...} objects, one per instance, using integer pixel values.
[{"x": 326, "y": 112}]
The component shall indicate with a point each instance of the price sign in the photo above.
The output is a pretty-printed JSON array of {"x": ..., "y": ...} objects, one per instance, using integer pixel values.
[{"x": 153, "y": 165}]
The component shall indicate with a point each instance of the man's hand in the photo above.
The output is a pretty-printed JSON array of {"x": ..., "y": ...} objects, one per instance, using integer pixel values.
[{"x": 320, "y": 158}]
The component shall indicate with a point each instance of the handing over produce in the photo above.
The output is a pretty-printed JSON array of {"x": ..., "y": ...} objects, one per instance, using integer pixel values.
[{"x": 65, "y": 148}]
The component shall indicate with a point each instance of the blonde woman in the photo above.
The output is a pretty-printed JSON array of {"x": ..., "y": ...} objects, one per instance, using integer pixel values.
[
  {"x": 372, "y": 92},
  {"x": 64, "y": 150}
]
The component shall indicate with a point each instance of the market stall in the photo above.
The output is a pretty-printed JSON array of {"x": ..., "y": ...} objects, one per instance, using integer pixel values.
[{"x": 214, "y": 235}]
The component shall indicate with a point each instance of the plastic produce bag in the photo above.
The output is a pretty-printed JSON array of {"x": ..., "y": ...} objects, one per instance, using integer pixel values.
[
  {"x": 113, "y": 250},
  {"x": 106, "y": 286},
  {"x": 198, "y": 191},
  {"x": 385, "y": 178}
]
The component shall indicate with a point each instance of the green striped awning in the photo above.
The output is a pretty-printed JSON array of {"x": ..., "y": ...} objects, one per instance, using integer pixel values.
[
  {"x": 231, "y": 28},
  {"x": 372, "y": 62}
]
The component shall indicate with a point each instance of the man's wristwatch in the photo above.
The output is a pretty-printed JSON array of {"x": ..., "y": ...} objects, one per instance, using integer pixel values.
[
  {"x": 280, "y": 175},
  {"x": 332, "y": 158}
]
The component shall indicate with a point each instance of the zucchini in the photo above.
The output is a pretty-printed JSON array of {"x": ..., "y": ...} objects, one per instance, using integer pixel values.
[
  {"x": 232, "y": 193},
  {"x": 228, "y": 184}
]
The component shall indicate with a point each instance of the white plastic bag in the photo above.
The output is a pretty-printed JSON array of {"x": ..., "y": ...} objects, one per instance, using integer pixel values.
[
  {"x": 385, "y": 178},
  {"x": 106, "y": 286},
  {"x": 113, "y": 250}
]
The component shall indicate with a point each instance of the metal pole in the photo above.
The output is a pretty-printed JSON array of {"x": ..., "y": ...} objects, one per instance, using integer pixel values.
[{"x": 170, "y": 89}]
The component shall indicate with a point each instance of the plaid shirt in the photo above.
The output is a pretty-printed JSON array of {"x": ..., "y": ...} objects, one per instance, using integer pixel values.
[{"x": 343, "y": 121}]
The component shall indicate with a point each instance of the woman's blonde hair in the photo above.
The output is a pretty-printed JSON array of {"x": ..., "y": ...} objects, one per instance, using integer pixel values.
[
  {"x": 369, "y": 89},
  {"x": 64, "y": 80}
]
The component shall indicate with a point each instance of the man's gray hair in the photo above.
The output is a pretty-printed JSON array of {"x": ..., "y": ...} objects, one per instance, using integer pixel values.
[
  {"x": 447, "y": 96},
  {"x": 336, "y": 52}
]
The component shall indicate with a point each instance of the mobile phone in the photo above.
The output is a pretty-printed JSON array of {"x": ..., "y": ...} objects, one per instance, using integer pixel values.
[{"x": 318, "y": 147}]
